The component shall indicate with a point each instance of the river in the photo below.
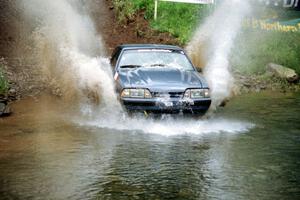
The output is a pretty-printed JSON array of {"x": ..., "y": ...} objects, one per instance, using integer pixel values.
[{"x": 45, "y": 154}]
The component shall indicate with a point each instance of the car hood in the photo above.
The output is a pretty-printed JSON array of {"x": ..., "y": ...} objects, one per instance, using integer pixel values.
[{"x": 160, "y": 79}]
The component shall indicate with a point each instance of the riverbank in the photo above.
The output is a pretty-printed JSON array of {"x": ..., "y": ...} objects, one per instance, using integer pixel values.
[{"x": 262, "y": 82}]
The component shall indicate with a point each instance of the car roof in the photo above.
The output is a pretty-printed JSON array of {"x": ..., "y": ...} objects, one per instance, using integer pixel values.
[{"x": 149, "y": 46}]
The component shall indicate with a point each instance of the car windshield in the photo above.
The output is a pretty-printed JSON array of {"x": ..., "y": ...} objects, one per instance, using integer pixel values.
[{"x": 155, "y": 58}]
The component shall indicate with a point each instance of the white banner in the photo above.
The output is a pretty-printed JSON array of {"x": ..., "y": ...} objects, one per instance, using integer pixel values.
[{"x": 192, "y": 1}]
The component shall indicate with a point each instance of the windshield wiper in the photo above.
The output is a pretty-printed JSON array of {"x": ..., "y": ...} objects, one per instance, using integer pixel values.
[
  {"x": 130, "y": 66},
  {"x": 158, "y": 65}
]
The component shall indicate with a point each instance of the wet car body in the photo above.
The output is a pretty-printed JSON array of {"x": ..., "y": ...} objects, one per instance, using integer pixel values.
[{"x": 166, "y": 89}]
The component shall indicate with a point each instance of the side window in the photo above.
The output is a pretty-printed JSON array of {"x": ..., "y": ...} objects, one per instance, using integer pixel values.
[{"x": 114, "y": 58}]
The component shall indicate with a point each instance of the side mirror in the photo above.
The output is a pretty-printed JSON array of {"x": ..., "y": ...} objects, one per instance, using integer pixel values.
[{"x": 199, "y": 69}]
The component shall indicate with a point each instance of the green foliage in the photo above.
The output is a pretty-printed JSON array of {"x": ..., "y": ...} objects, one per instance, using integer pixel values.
[
  {"x": 124, "y": 9},
  {"x": 255, "y": 48},
  {"x": 3, "y": 81},
  {"x": 179, "y": 19}
]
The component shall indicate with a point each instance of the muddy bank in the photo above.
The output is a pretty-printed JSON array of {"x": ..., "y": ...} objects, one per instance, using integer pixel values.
[
  {"x": 16, "y": 53},
  {"x": 262, "y": 82}
]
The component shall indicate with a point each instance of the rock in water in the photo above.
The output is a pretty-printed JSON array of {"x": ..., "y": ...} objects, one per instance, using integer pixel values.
[
  {"x": 7, "y": 111},
  {"x": 282, "y": 72},
  {"x": 2, "y": 108}
]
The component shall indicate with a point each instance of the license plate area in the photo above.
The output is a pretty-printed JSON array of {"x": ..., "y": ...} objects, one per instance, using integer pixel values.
[{"x": 168, "y": 103}]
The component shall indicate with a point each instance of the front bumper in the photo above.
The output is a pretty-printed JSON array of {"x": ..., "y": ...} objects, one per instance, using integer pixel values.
[{"x": 170, "y": 105}]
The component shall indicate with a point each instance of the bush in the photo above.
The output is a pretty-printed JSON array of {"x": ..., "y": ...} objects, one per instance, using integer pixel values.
[{"x": 124, "y": 9}]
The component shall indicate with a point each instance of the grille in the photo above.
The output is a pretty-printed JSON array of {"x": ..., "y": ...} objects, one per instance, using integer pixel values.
[{"x": 168, "y": 94}]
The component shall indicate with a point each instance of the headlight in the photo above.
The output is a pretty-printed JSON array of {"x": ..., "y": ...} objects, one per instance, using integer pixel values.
[
  {"x": 136, "y": 93},
  {"x": 197, "y": 93}
]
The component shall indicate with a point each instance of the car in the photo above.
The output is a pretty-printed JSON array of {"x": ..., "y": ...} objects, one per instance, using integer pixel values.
[{"x": 152, "y": 78}]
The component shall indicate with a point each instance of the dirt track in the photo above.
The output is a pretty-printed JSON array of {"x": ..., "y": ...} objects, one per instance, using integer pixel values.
[{"x": 115, "y": 33}]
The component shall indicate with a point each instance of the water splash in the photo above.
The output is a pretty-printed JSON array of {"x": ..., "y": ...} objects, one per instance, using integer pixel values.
[
  {"x": 71, "y": 52},
  {"x": 170, "y": 126},
  {"x": 212, "y": 43}
]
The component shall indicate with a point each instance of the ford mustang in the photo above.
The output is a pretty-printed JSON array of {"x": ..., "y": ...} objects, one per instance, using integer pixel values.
[{"x": 158, "y": 79}]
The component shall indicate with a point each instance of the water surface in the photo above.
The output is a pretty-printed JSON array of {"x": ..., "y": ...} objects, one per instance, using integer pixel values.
[{"x": 249, "y": 150}]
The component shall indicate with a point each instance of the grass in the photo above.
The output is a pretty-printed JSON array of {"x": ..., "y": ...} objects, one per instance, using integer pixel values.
[
  {"x": 3, "y": 81},
  {"x": 253, "y": 49},
  {"x": 180, "y": 19}
]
